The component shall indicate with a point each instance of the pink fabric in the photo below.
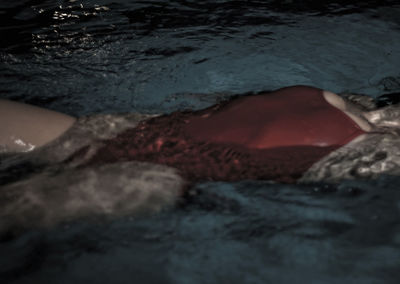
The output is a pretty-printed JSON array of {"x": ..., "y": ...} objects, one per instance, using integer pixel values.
[
  {"x": 275, "y": 136},
  {"x": 291, "y": 116}
]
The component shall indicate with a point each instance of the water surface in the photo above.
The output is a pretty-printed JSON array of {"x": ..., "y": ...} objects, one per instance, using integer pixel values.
[{"x": 91, "y": 57}]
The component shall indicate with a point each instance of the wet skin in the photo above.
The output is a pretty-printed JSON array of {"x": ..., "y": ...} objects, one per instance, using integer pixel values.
[{"x": 25, "y": 127}]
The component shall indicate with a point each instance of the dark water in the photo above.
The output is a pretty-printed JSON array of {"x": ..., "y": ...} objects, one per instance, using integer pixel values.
[{"x": 84, "y": 57}]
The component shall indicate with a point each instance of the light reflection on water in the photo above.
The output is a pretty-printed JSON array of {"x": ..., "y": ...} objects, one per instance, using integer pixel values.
[
  {"x": 123, "y": 56},
  {"x": 84, "y": 57}
]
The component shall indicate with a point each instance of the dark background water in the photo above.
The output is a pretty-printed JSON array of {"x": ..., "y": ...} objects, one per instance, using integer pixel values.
[{"x": 84, "y": 57}]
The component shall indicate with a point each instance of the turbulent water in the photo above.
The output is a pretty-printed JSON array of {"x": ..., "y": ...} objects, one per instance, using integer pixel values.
[{"x": 91, "y": 57}]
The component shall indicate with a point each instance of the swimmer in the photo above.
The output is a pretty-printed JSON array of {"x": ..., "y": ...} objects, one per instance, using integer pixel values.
[
  {"x": 293, "y": 134},
  {"x": 105, "y": 166}
]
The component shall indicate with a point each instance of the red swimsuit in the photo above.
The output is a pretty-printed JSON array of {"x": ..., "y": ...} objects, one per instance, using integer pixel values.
[{"x": 275, "y": 136}]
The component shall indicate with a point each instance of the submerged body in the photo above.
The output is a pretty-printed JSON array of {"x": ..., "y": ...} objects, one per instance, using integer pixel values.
[
  {"x": 271, "y": 136},
  {"x": 98, "y": 165},
  {"x": 275, "y": 135}
]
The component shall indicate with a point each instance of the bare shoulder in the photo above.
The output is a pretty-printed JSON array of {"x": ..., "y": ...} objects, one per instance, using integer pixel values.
[
  {"x": 334, "y": 99},
  {"x": 349, "y": 109},
  {"x": 25, "y": 127}
]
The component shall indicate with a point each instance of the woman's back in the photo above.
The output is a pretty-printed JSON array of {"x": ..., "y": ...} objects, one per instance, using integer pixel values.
[
  {"x": 275, "y": 136},
  {"x": 294, "y": 116}
]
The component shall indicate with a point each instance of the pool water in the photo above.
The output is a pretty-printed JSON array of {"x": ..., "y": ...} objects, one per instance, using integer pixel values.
[{"x": 98, "y": 57}]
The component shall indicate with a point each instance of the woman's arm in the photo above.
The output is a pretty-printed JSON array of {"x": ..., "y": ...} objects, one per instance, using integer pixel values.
[{"x": 24, "y": 127}]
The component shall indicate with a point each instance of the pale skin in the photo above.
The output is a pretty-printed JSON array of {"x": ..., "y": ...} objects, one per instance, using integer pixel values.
[{"x": 24, "y": 127}]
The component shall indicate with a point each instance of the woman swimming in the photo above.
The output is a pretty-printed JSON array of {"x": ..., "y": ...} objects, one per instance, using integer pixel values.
[
  {"x": 274, "y": 136},
  {"x": 117, "y": 165}
]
